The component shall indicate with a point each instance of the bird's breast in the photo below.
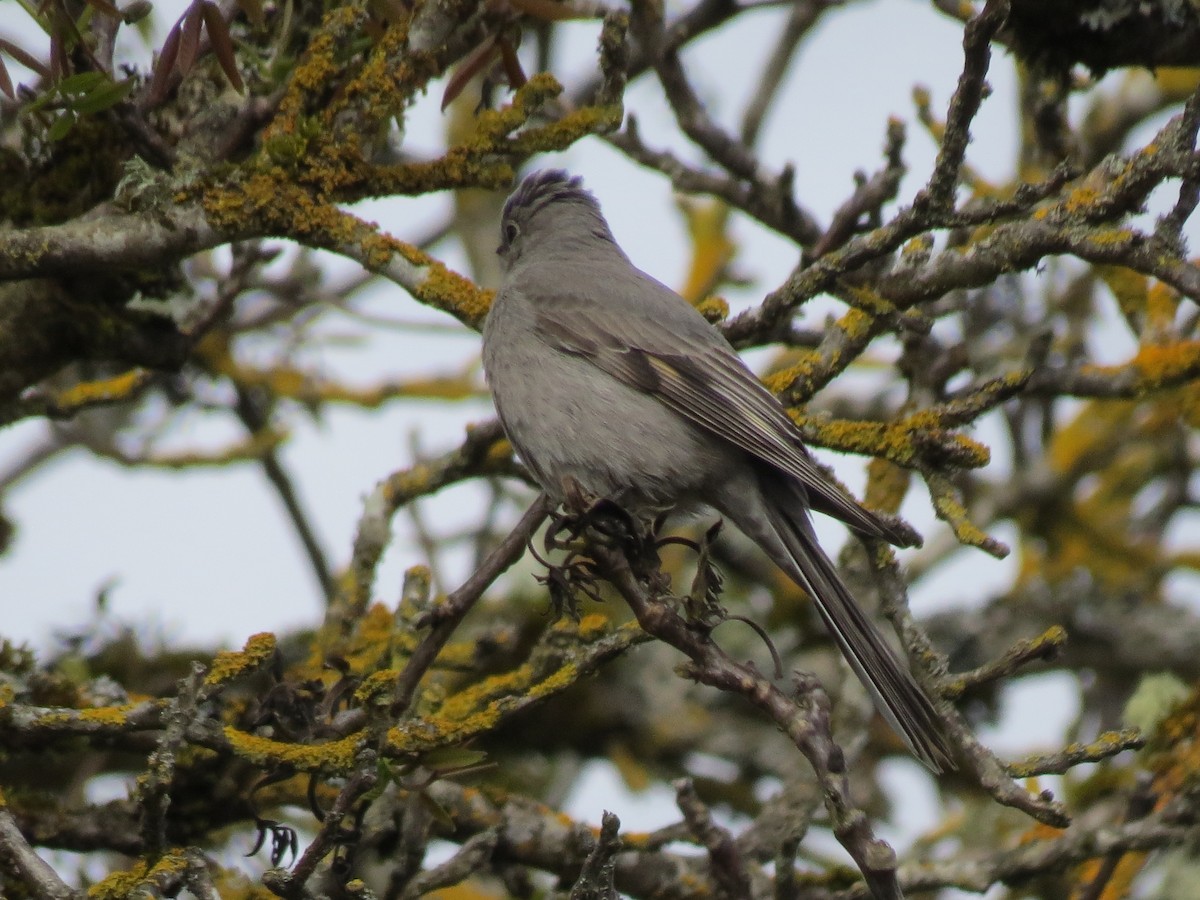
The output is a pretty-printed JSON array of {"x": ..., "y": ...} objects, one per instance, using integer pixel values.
[{"x": 569, "y": 419}]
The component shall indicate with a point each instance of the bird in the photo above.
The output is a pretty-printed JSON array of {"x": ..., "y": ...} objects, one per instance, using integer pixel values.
[{"x": 606, "y": 380}]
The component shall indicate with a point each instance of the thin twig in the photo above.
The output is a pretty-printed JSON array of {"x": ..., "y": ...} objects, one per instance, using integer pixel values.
[
  {"x": 37, "y": 874},
  {"x": 447, "y": 615},
  {"x": 964, "y": 104},
  {"x": 724, "y": 857},
  {"x": 801, "y": 18},
  {"x": 292, "y": 884},
  {"x": 254, "y": 416},
  {"x": 595, "y": 881}
]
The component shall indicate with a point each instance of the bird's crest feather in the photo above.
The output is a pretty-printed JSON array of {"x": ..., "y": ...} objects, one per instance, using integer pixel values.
[{"x": 545, "y": 187}]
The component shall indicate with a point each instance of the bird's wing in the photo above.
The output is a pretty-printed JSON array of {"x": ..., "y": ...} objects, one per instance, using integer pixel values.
[{"x": 701, "y": 378}]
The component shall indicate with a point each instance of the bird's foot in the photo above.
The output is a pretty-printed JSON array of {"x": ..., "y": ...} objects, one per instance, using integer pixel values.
[{"x": 605, "y": 518}]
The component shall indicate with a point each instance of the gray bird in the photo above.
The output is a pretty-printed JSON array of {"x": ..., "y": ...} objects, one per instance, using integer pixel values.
[{"x": 604, "y": 376}]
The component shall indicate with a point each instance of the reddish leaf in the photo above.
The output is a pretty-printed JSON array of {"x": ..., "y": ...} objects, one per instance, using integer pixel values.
[
  {"x": 473, "y": 63},
  {"x": 512, "y": 64},
  {"x": 26, "y": 59},
  {"x": 222, "y": 43},
  {"x": 161, "y": 82},
  {"x": 60, "y": 65},
  {"x": 6, "y": 84},
  {"x": 189, "y": 42}
]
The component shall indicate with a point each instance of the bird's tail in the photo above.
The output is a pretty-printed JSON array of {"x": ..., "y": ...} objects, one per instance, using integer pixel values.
[{"x": 897, "y": 696}]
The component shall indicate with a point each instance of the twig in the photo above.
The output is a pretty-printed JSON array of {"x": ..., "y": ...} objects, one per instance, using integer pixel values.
[
  {"x": 705, "y": 16},
  {"x": 989, "y": 771},
  {"x": 1106, "y": 745},
  {"x": 446, "y": 616},
  {"x": 870, "y": 196},
  {"x": 426, "y": 541},
  {"x": 197, "y": 876},
  {"x": 472, "y": 856},
  {"x": 373, "y": 532},
  {"x": 292, "y": 885},
  {"x": 154, "y": 787},
  {"x": 801, "y": 18},
  {"x": 771, "y": 204},
  {"x": 1140, "y": 803},
  {"x": 964, "y": 104},
  {"x": 690, "y": 113},
  {"x": 595, "y": 881},
  {"x": 1045, "y": 646},
  {"x": 253, "y": 415},
  {"x": 724, "y": 858},
  {"x": 37, "y": 874},
  {"x": 1169, "y": 827}
]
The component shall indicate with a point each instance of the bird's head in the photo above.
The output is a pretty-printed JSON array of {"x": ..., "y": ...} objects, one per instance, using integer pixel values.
[{"x": 553, "y": 213}]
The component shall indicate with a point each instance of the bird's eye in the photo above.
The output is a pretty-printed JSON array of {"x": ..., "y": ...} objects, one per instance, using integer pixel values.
[{"x": 510, "y": 232}]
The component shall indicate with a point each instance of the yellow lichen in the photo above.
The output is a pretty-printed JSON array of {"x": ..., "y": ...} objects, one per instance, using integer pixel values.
[
  {"x": 1129, "y": 287},
  {"x": 334, "y": 757},
  {"x": 1161, "y": 364},
  {"x": 887, "y": 485},
  {"x": 1162, "y": 303},
  {"x": 105, "y": 390},
  {"x": 592, "y": 627},
  {"x": 1081, "y": 198},
  {"x": 376, "y": 687},
  {"x": 118, "y": 885},
  {"x": 115, "y": 716},
  {"x": 715, "y": 309},
  {"x": 230, "y": 664},
  {"x": 857, "y": 322},
  {"x": 1110, "y": 236},
  {"x": 797, "y": 373}
]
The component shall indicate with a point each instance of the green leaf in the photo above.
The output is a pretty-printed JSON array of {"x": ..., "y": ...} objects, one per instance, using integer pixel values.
[
  {"x": 103, "y": 97},
  {"x": 62, "y": 127},
  {"x": 450, "y": 758},
  {"x": 81, "y": 83},
  {"x": 436, "y": 810}
]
